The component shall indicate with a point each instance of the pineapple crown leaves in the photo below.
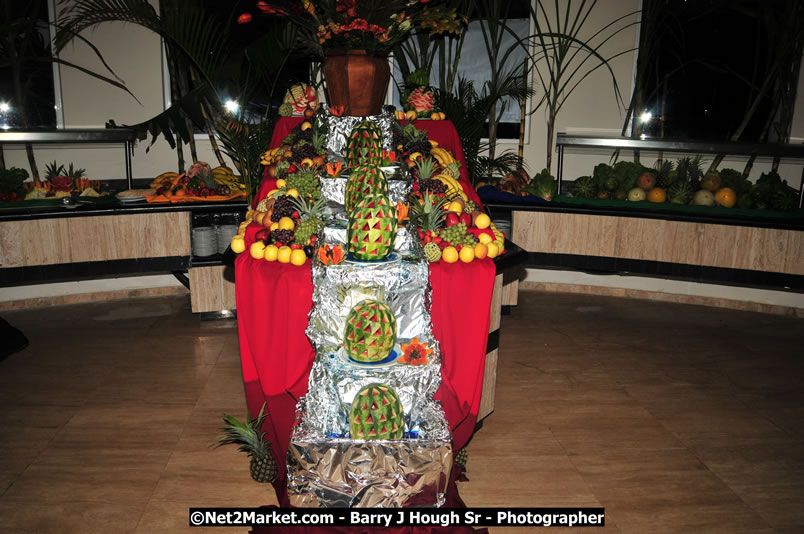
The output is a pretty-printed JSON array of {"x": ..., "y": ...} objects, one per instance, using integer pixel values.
[
  {"x": 426, "y": 167},
  {"x": 308, "y": 210},
  {"x": 74, "y": 172},
  {"x": 53, "y": 169},
  {"x": 427, "y": 211},
  {"x": 248, "y": 436}
]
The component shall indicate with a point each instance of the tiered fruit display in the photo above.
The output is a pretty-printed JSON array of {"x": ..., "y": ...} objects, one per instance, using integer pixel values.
[
  {"x": 365, "y": 180},
  {"x": 370, "y": 331},
  {"x": 364, "y": 145},
  {"x": 371, "y": 230},
  {"x": 377, "y": 413}
]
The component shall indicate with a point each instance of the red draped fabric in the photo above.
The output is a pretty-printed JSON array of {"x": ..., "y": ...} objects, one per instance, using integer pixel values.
[{"x": 443, "y": 132}]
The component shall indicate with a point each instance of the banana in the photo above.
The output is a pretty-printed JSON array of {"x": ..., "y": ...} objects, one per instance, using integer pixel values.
[
  {"x": 443, "y": 156},
  {"x": 164, "y": 178}
]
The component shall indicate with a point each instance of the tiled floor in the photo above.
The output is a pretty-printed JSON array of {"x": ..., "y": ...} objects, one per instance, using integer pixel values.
[{"x": 675, "y": 418}]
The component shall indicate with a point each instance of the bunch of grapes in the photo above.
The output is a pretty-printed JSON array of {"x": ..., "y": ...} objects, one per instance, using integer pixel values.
[
  {"x": 306, "y": 183},
  {"x": 283, "y": 207},
  {"x": 306, "y": 229},
  {"x": 282, "y": 237},
  {"x": 303, "y": 150},
  {"x": 457, "y": 235},
  {"x": 434, "y": 186}
]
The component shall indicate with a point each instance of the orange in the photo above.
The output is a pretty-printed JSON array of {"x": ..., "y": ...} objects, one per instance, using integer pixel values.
[
  {"x": 455, "y": 206},
  {"x": 493, "y": 249},
  {"x": 726, "y": 197},
  {"x": 481, "y": 251},
  {"x": 657, "y": 194},
  {"x": 482, "y": 221},
  {"x": 257, "y": 250},
  {"x": 271, "y": 252},
  {"x": 449, "y": 254},
  {"x": 238, "y": 244},
  {"x": 467, "y": 254},
  {"x": 286, "y": 223},
  {"x": 298, "y": 257},
  {"x": 283, "y": 255}
]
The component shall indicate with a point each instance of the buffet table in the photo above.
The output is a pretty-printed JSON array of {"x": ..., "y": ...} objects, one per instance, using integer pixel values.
[{"x": 44, "y": 241}]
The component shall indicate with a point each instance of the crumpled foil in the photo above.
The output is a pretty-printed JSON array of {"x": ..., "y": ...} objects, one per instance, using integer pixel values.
[
  {"x": 339, "y": 128},
  {"x": 334, "y": 189},
  {"x": 335, "y": 472},
  {"x": 334, "y": 379}
]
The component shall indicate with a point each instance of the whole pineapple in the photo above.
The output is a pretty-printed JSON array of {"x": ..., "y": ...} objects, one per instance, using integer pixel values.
[
  {"x": 462, "y": 457},
  {"x": 689, "y": 170},
  {"x": 372, "y": 227},
  {"x": 364, "y": 145},
  {"x": 680, "y": 192},
  {"x": 365, "y": 180},
  {"x": 370, "y": 331},
  {"x": 665, "y": 175},
  {"x": 377, "y": 413},
  {"x": 250, "y": 439}
]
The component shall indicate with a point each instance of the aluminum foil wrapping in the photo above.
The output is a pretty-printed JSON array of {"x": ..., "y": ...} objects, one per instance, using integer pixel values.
[
  {"x": 334, "y": 190},
  {"x": 339, "y": 128},
  {"x": 334, "y": 378},
  {"x": 334, "y": 472}
]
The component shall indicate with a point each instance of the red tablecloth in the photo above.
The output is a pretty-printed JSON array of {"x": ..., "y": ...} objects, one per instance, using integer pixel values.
[{"x": 443, "y": 132}]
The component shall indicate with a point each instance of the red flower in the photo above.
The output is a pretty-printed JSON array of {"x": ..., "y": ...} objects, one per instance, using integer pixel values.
[
  {"x": 415, "y": 353},
  {"x": 244, "y": 18}
]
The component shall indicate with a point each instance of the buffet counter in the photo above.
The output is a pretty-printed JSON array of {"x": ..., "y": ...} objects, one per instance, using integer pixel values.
[{"x": 46, "y": 242}]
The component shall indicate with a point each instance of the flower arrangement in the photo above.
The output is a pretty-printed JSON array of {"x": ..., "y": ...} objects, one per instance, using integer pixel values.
[{"x": 375, "y": 26}]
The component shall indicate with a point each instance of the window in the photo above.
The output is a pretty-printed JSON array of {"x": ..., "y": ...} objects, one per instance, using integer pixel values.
[{"x": 27, "y": 89}]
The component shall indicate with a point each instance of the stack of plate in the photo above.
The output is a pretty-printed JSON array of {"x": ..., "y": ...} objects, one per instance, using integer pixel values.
[
  {"x": 504, "y": 226},
  {"x": 205, "y": 242},
  {"x": 225, "y": 233}
]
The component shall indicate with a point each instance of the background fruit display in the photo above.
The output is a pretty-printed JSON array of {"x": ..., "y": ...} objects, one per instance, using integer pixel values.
[
  {"x": 684, "y": 182},
  {"x": 58, "y": 182},
  {"x": 200, "y": 181}
]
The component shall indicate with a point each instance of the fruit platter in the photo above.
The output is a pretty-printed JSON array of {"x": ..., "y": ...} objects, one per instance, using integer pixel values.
[
  {"x": 200, "y": 183},
  {"x": 59, "y": 182},
  {"x": 359, "y": 220}
]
